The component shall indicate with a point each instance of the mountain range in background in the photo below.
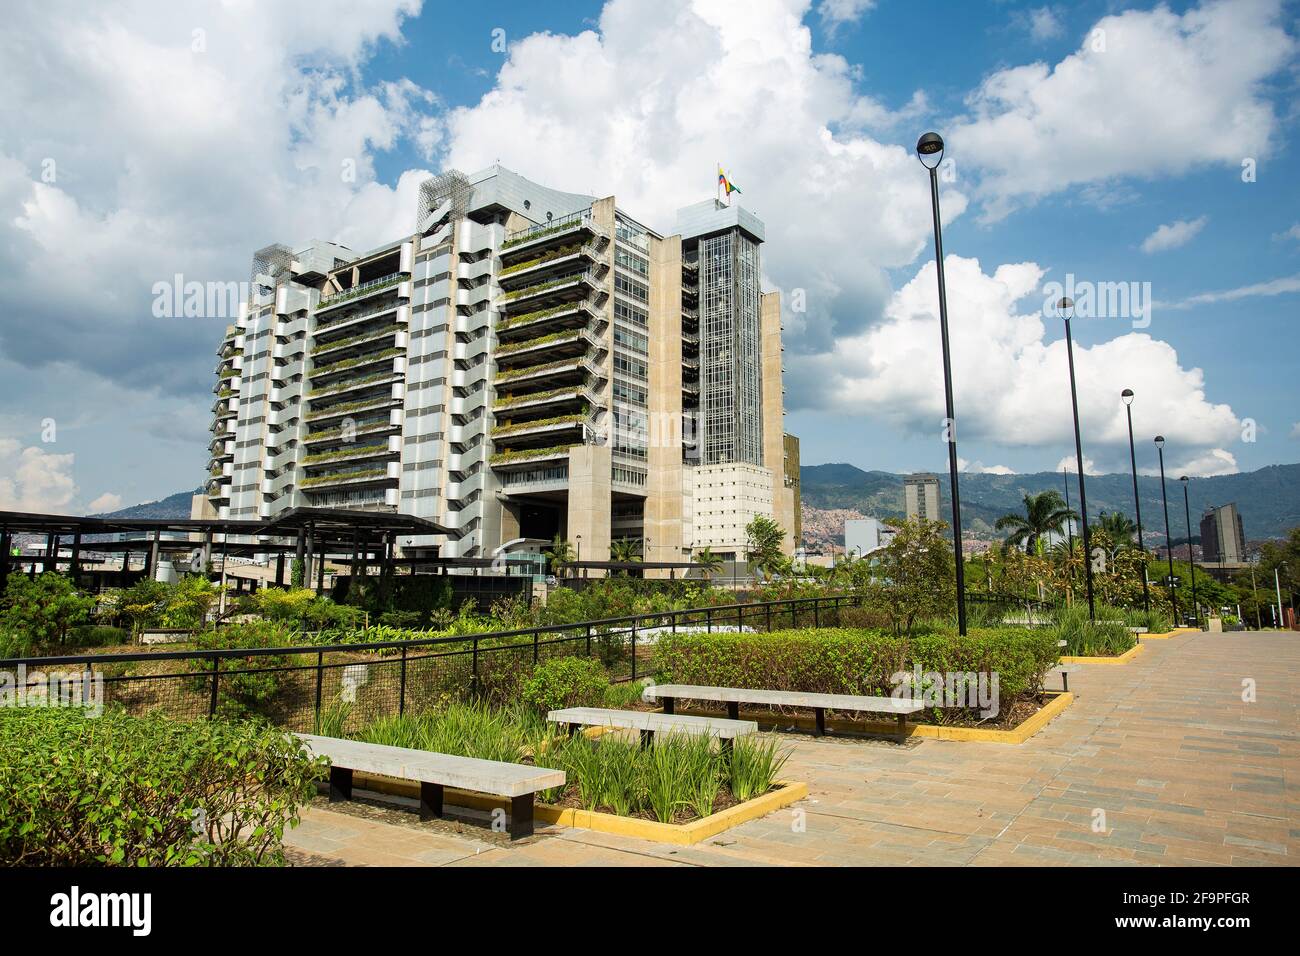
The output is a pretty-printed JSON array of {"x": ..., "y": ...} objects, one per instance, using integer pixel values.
[{"x": 1268, "y": 499}]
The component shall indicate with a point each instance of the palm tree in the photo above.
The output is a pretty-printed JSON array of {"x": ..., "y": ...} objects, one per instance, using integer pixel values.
[
  {"x": 1121, "y": 530},
  {"x": 708, "y": 561},
  {"x": 626, "y": 550},
  {"x": 560, "y": 553},
  {"x": 1045, "y": 513}
]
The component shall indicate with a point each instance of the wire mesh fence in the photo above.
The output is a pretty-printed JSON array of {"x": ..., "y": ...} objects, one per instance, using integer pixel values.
[{"x": 339, "y": 688}]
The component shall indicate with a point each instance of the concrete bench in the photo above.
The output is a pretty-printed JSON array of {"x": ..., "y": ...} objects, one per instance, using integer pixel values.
[
  {"x": 435, "y": 771},
  {"x": 650, "y": 723},
  {"x": 733, "y": 697},
  {"x": 1065, "y": 670}
]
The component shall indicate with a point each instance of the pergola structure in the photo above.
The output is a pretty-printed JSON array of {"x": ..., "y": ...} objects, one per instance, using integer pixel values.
[{"x": 309, "y": 534}]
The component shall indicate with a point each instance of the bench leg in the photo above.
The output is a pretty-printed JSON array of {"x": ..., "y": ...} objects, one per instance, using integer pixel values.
[
  {"x": 430, "y": 800},
  {"x": 521, "y": 816},
  {"x": 573, "y": 729},
  {"x": 669, "y": 704},
  {"x": 733, "y": 709},
  {"x": 647, "y": 738},
  {"x": 724, "y": 744},
  {"x": 820, "y": 714},
  {"x": 1065, "y": 682},
  {"x": 340, "y": 784},
  {"x": 902, "y": 729}
]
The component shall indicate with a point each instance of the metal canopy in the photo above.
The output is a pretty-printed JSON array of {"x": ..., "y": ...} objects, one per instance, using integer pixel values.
[{"x": 325, "y": 521}]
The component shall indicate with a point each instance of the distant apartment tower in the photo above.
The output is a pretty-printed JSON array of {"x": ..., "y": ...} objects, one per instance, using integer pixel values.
[
  {"x": 921, "y": 496},
  {"x": 1223, "y": 540},
  {"x": 526, "y": 363}
]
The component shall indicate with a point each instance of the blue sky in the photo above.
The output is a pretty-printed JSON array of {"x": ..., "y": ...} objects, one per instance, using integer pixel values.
[{"x": 1068, "y": 158}]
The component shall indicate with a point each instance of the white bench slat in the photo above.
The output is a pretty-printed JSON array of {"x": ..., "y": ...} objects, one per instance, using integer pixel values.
[
  {"x": 461, "y": 773},
  {"x": 787, "y": 698},
  {"x": 652, "y": 722}
]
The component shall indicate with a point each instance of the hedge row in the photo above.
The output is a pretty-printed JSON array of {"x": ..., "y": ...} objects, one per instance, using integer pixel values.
[
  {"x": 145, "y": 791},
  {"x": 845, "y": 661}
]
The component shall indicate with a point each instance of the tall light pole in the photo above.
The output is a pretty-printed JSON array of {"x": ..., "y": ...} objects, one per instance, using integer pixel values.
[
  {"x": 1069, "y": 525},
  {"x": 1169, "y": 542},
  {"x": 1127, "y": 396},
  {"x": 1191, "y": 558},
  {"x": 1064, "y": 308},
  {"x": 1277, "y": 584},
  {"x": 930, "y": 147}
]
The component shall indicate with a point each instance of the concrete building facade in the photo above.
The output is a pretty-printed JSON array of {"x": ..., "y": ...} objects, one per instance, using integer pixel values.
[
  {"x": 1223, "y": 539},
  {"x": 921, "y": 497},
  {"x": 526, "y": 363}
]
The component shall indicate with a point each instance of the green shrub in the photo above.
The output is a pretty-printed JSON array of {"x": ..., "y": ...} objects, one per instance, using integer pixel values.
[
  {"x": 842, "y": 661},
  {"x": 145, "y": 791},
  {"x": 98, "y": 635},
  {"x": 566, "y": 682}
]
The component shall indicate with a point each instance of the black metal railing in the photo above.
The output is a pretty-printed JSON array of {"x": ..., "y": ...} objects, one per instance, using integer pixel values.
[{"x": 303, "y": 687}]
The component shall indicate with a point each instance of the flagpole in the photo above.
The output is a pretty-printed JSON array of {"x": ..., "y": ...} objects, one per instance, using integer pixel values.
[{"x": 717, "y": 188}]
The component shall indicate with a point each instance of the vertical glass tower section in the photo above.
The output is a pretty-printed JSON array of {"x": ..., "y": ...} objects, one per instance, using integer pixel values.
[{"x": 731, "y": 382}]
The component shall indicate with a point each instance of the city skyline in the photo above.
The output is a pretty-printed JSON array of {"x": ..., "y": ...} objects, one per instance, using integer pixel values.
[{"x": 810, "y": 108}]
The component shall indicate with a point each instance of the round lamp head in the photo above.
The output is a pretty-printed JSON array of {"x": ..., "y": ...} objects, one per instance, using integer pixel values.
[
  {"x": 929, "y": 150},
  {"x": 1183, "y": 479},
  {"x": 1160, "y": 441},
  {"x": 1064, "y": 308},
  {"x": 1127, "y": 395}
]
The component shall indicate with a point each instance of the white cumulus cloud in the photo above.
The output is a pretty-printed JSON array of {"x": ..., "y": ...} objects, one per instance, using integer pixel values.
[
  {"x": 1148, "y": 93},
  {"x": 32, "y": 479},
  {"x": 1174, "y": 234},
  {"x": 108, "y": 501},
  {"x": 1010, "y": 376}
]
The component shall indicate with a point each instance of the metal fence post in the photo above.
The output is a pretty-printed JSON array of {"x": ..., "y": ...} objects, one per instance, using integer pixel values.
[
  {"x": 634, "y": 648},
  {"x": 767, "y": 606},
  {"x": 536, "y": 638},
  {"x": 401, "y": 687},
  {"x": 708, "y": 619},
  {"x": 740, "y": 618},
  {"x": 817, "y": 618},
  {"x": 588, "y": 640},
  {"x": 320, "y": 681},
  {"x": 216, "y": 677},
  {"x": 473, "y": 677},
  {"x": 794, "y": 613}
]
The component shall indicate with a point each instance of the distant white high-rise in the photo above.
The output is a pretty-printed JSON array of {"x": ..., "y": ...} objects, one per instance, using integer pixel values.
[{"x": 921, "y": 494}]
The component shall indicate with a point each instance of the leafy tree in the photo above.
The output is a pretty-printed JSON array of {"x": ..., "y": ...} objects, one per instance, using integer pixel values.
[
  {"x": 1045, "y": 513},
  {"x": 42, "y": 609},
  {"x": 917, "y": 574},
  {"x": 764, "y": 539}
]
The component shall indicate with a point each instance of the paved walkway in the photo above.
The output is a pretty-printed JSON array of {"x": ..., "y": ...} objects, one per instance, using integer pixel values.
[{"x": 1157, "y": 762}]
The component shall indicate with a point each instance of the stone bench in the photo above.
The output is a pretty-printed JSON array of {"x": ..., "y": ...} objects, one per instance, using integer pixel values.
[
  {"x": 434, "y": 771},
  {"x": 733, "y": 697},
  {"x": 651, "y": 723}
]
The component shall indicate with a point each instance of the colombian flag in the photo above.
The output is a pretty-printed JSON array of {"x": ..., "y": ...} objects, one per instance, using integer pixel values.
[{"x": 727, "y": 185}]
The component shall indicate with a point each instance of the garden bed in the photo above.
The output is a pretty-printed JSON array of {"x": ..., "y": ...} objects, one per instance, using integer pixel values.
[{"x": 685, "y": 829}]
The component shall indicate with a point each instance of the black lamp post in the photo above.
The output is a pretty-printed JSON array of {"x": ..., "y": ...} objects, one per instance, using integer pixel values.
[
  {"x": 1069, "y": 525},
  {"x": 930, "y": 147},
  {"x": 1063, "y": 309},
  {"x": 1169, "y": 542},
  {"x": 1127, "y": 395},
  {"x": 1191, "y": 558}
]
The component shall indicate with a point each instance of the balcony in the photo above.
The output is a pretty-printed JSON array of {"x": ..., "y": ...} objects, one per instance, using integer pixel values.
[
  {"x": 553, "y": 399},
  {"x": 336, "y": 347},
  {"x": 566, "y": 315},
  {"x": 344, "y": 479},
  {"x": 363, "y": 291},
  {"x": 544, "y": 235},
  {"x": 557, "y": 345},
  {"x": 373, "y": 403},
  {"x": 575, "y": 285},
  {"x": 355, "y": 364},
  {"x": 527, "y": 458},
  {"x": 546, "y": 431},
  {"x": 349, "y": 320},
  {"x": 547, "y": 263},
  {"x": 377, "y": 380},
  {"x": 340, "y": 435},
  {"x": 578, "y": 367},
  {"x": 350, "y": 454}
]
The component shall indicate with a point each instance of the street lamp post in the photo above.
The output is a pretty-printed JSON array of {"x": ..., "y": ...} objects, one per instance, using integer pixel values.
[
  {"x": 930, "y": 146},
  {"x": 1127, "y": 396},
  {"x": 1169, "y": 543},
  {"x": 1191, "y": 558},
  {"x": 1063, "y": 309},
  {"x": 1277, "y": 584},
  {"x": 1069, "y": 525}
]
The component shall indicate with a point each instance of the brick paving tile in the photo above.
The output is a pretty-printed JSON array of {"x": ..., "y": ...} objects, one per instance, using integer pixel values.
[{"x": 1186, "y": 772}]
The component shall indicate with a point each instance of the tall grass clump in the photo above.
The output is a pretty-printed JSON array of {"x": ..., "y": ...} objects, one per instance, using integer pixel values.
[{"x": 1108, "y": 636}]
